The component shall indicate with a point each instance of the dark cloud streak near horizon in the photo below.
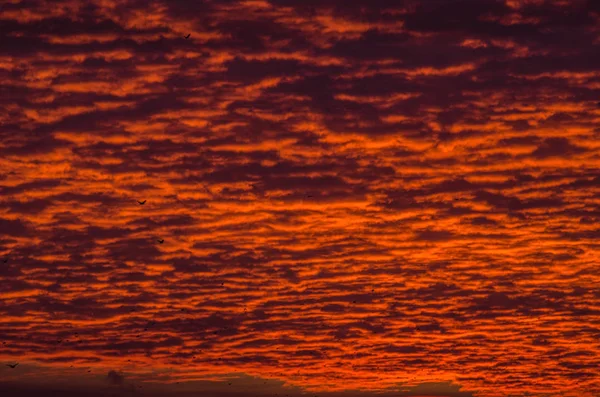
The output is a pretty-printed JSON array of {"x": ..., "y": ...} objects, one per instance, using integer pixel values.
[{"x": 392, "y": 196}]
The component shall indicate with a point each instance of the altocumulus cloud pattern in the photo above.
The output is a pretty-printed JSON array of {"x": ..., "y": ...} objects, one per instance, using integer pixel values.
[{"x": 305, "y": 198}]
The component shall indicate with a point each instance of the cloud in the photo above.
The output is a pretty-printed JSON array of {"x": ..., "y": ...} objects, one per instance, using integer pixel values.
[{"x": 349, "y": 194}]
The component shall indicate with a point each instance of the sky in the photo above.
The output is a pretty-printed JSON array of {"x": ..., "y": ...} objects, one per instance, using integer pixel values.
[{"x": 332, "y": 198}]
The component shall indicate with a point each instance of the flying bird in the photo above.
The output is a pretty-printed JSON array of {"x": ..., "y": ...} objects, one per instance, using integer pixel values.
[
  {"x": 5, "y": 260},
  {"x": 161, "y": 241},
  {"x": 141, "y": 202},
  {"x": 188, "y": 36},
  {"x": 12, "y": 365}
]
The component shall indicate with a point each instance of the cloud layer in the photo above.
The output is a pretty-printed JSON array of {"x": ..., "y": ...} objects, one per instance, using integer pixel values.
[{"x": 398, "y": 197}]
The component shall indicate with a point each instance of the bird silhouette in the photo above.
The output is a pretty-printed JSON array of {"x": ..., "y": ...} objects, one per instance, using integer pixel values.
[
  {"x": 150, "y": 324},
  {"x": 12, "y": 365},
  {"x": 188, "y": 36},
  {"x": 5, "y": 260},
  {"x": 141, "y": 202},
  {"x": 161, "y": 241}
]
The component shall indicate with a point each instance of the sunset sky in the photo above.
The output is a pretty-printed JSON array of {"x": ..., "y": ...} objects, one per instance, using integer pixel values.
[{"x": 357, "y": 198}]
